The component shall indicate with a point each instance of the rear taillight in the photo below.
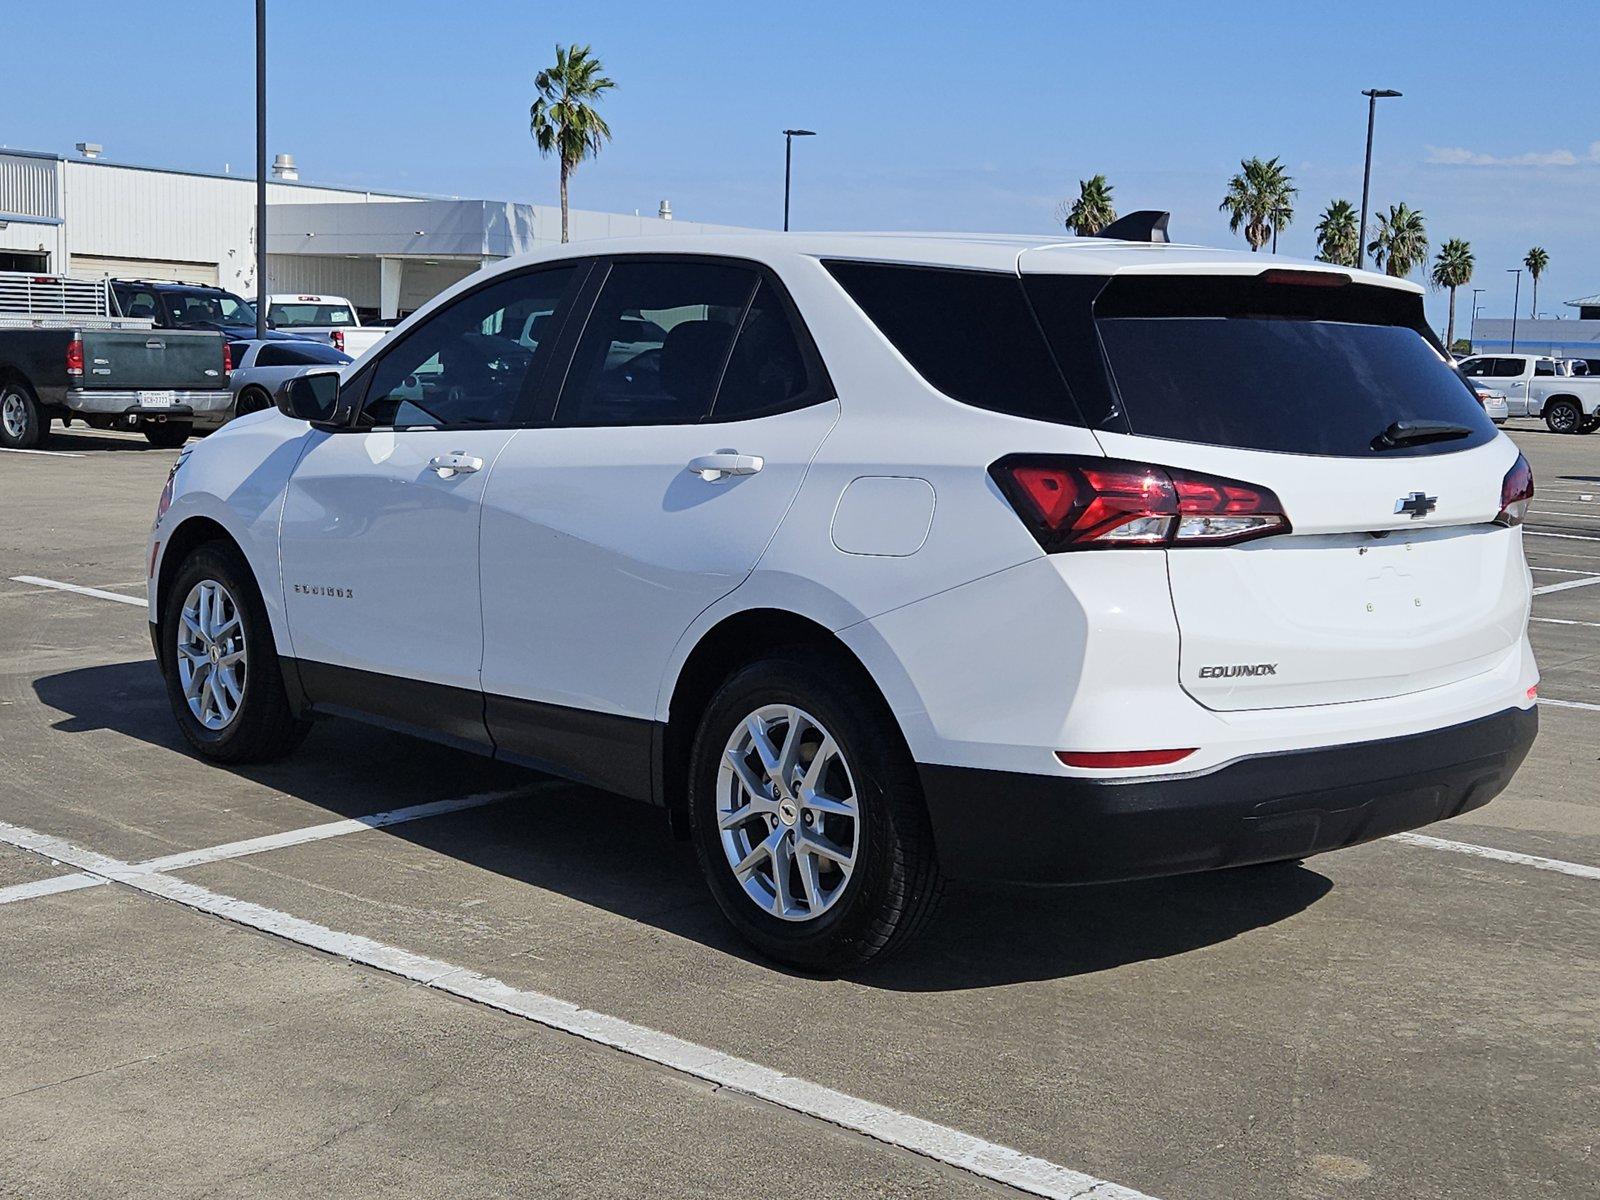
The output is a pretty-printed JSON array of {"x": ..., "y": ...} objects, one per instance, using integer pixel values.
[
  {"x": 1516, "y": 493},
  {"x": 1103, "y": 504},
  {"x": 337, "y": 338},
  {"x": 75, "y": 357},
  {"x": 227, "y": 359}
]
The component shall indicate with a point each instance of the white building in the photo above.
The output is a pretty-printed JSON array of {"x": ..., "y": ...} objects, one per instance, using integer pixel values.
[
  {"x": 1562, "y": 338},
  {"x": 387, "y": 251}
]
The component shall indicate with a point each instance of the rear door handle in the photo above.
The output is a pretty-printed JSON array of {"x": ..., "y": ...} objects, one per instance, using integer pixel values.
[
  {"x": 712, "y": 467},
  {"x": 457, "y": 462}
]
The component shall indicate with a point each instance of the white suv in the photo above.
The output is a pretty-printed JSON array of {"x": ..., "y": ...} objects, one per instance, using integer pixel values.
[{"x": 880, "y": 559}]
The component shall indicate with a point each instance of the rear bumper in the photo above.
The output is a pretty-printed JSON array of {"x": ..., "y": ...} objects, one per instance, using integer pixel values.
[
  {"x": 201, "y": 407},
  {"x": 1058, "y": 829}
]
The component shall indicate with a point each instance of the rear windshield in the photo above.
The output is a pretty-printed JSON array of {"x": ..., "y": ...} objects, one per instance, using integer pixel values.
[
  {"x": 1294, "y": 369},
  {"x": 301, "y": 316}
]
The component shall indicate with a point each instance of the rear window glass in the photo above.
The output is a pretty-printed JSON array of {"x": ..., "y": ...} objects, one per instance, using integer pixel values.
[
  {"x": 309, "y": 316},
  {"x": 1293, "y": 369},
  {"x": 970, "y": 334}
]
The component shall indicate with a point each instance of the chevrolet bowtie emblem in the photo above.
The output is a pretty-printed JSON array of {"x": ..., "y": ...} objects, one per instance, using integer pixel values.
[{"x": 1417, "y": 504}]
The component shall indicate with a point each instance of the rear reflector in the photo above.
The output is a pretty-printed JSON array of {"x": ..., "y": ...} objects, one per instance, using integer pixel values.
[
  {"x": 1516, "y": 493},
  {"x": 1107, "y": 759},
  {"x": 1071, "y": 503}
]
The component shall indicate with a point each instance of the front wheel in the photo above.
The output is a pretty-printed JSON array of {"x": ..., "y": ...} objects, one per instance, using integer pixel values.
[
  {"x": 23, "y": 424},
  {"x": 807, "y": 815},
  {"x": 168, "y": 435},
  {"x": 1563, "y": 416},
  {"x": 223, "y": 677},
  {"x": 251, "y": 400}
]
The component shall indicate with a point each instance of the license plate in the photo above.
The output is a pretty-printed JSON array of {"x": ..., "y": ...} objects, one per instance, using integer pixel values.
[{"x": 157, "y": 399}]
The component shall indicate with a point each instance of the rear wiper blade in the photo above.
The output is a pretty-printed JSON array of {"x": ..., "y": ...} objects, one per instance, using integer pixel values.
[{"x": 1415, "y": 433}]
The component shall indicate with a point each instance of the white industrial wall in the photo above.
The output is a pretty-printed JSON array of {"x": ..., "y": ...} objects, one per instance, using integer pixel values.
[
  {"x": 30, "y": 206},
  {"x": 356, "y": 279}
]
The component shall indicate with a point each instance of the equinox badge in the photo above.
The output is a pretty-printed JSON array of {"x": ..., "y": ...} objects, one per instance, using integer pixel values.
[{"x": 1417, "y": 504}]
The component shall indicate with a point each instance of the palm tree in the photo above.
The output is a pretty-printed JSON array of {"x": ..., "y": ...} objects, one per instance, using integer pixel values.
[
  {"x": 1452, "y": 269},
  {"x": 1260, "y": 199},
  {"x": 1536, "y": 261},
  {"x": 1092, "y": 211},
  {"x": 1338, "y": 234},
  {"x": 563, "y": 120},
  {"x": 1400, "y": 241}
]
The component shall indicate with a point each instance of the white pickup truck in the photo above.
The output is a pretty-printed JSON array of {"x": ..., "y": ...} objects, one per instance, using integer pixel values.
[
  {"x": 331, "y": 319},
  {"x": 1536, "y": 386}
]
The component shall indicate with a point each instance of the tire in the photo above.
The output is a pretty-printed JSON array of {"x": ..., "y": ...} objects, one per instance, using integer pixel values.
[
  {"x": 168, "y": 435},
  {"x": 1563, "y": 416},
  {"x": 251, "y": 399},
  {"x": 252, "y": 720},
  {"x": 23, "y": 424},
  {"x": 892, "y": 882},
  {"x": 1590, "y": 424}
]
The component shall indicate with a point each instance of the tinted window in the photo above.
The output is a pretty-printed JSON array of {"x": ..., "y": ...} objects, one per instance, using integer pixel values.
[
  {"x": 1544, "y": 367},
  {"x": 968, "y": 333},
  {"x": 137, "y": 301},
  {"x": 1302, "y": 387},
  {"x": 1474, "y": 367},
  {"x": 291, "y": 354},
  {"x": 767, "y": 370},
  {"x": 236, "y": 353},
  {"x": 1507, "y": 368},
  {"x": 656, "y": 344},
  {"x": 474, "y": 361},
  {"x": 206, "y": 308},
  {"x": 309, "y": 315}
]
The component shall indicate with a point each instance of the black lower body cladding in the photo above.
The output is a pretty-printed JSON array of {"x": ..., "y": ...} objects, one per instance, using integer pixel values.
[{"x": 1049, "y": 829}]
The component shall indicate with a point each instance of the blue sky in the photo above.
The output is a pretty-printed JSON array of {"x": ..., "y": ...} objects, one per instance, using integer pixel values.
[{"x": 931, "y": 115}]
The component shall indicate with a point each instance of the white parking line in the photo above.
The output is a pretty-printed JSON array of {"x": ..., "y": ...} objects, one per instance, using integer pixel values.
[
  {"x": 1571, "y": 537},
  {"x": 51, "y": 453},
  {"x": 1580, "y": 870},
  {"x": 1569, "y": 704},
  {"x": 272, "y": 841},
  {"x": 1564, "y": 571},
  {"x": 1565, "y": 585},
  {"x": 80, "y": 590},
  {"x": 989, "y": 1160},
  {"x": 1560, "y": 621}
]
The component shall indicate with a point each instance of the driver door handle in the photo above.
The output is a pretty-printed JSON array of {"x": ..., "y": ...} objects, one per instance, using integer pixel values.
[
  {"x": 457, "y": 462},
  {"x": 712, "y": 467}
]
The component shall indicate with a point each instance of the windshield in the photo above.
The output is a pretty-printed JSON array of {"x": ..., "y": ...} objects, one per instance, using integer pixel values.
[
  {"x": 1260, "y": 365},
  {"x": 302, "y": 316},
  {"x": 207, "y": 308}
]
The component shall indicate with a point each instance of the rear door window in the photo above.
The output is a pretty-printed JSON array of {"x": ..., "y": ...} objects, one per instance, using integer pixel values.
[
  {"x": 1262, "y": 366},
  {"x": 1508, "y": 368}
]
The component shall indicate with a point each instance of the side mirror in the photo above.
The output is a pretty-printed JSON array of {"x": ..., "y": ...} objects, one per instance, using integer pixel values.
[{"x": 309, "y": 397}]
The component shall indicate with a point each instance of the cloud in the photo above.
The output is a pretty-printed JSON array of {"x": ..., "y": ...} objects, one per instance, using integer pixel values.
[{"x": 1459, "y": 156}]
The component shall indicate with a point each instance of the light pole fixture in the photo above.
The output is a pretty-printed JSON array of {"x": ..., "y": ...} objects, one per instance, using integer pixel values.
[
  {"x": 1373, "y": 95},
  {"x": 789, "y": 136},
  {"x": 1515, "y": 300},
  {"x": 261, "y": 169}
]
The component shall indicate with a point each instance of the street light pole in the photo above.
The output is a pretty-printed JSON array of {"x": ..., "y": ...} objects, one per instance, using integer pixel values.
[
  {"x": 1516, "y": 299},
  {"x": 788, "y": 160},
  {"x": 1372, "y": 95},
  {"x": 1472, "y": 335},
  {"x": 261, "y": 169}
]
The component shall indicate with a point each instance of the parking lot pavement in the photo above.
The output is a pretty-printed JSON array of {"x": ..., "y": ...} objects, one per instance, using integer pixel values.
[{"x": 1396, "y": 1019}]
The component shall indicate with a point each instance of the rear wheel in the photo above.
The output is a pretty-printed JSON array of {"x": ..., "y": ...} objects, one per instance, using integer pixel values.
[
  {"x": 1590, "y": 424},
  {"x": 223, "y": 677},
  {"x": 807, "y": 815},
  {"x": 252, "y": 399},
  {"x": 168, "y": 435},
  {"x": 1563, "y": 416},
  {"x": 23, "y": 424}
]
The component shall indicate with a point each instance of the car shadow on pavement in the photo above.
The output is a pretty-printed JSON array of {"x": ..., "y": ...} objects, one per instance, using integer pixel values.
[{"x": 619, "y": 856}]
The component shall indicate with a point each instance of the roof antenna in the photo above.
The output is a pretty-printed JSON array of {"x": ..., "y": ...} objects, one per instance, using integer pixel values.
[{"x": 1146, "y": 225}]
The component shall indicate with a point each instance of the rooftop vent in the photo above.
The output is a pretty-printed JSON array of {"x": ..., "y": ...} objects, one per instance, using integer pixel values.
[
  {"x": 90, "y": 149},
  {"x": 665, "y": 211},
  {"x": 283, "y": 167}
]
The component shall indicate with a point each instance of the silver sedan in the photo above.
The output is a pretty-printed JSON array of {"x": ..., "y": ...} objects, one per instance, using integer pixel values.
[
  {"x": 1495, "y": 405},
  {"x": 259, "y": 367}
]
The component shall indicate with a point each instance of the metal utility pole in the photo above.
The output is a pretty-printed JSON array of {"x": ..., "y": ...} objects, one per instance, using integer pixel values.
[
  {"x": 1472, "y": 335},
  {"x": 788, "y": 161},
  {"x": 261, "y": 169},
  {"x": 1516, "y": 299},
  {"x": 1373, "y": 95}
]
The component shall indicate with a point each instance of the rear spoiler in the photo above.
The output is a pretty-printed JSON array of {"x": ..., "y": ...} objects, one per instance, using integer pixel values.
[{"x": 1146, "y": 225}]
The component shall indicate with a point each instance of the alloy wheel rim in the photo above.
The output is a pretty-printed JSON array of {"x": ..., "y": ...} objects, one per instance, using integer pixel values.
[
  {"x": 211, "y": 654},
  {"x": 14, "y": 414},
  {"x": 788, "y": 813},
  {"x": 1563, "y": 417}
]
